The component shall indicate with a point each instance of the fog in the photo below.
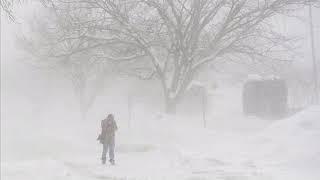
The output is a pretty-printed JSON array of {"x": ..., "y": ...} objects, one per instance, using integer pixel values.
[{"x": 235, "y": 99}]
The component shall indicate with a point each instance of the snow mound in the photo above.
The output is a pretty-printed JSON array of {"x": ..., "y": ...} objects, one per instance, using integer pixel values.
[
  {"x": 292, "y": 143},
  {"x": 304, "y": 127},
  {"x": 307, "y": 121}
]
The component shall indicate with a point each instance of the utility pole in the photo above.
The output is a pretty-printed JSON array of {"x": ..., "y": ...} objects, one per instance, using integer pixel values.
[{"x": 315, "y": 69}]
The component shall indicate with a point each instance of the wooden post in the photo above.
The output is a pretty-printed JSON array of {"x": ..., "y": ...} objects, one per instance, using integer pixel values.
[
  {"x": 204, "y": 107},
  {"x": 129, "y": 110}
]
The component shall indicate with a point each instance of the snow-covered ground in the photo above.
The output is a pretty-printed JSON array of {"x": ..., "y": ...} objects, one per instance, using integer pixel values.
[{"x": 167, "y": 149}]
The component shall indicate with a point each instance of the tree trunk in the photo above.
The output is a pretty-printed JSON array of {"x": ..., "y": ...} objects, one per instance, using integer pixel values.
[
  {"x": 83, "y": 114},
  {"x": 83, "y": 110},
  {"x": 171, "y": 106}
]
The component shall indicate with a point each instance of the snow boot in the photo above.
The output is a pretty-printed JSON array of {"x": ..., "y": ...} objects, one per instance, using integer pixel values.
[
  {"x": 103, "y": 160},
  {"x": 112, "y": 162}
]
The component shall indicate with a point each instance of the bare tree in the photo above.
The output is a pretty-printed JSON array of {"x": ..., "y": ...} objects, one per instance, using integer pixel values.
[
  {"x": 174, "y": 40},
  {"x": 7, "y": 6},
  {"x": 50, "y": 45}
]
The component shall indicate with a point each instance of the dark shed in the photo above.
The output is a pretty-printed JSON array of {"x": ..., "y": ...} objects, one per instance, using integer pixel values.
[{"x": 265, "y": 98}]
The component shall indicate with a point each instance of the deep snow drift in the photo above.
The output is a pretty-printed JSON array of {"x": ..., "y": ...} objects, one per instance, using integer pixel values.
[{"x": 166, "y": 149}]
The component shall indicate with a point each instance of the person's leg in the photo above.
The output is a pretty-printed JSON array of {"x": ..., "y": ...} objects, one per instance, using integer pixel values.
[
  {"x": 111, "y": 151},
  {"x": 104, "y": 153}
]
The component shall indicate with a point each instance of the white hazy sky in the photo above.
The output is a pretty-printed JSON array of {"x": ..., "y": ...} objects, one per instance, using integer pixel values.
[{"x": 290, "y": 26}]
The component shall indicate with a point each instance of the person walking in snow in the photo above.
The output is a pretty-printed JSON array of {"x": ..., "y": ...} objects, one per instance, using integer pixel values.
[{"x": 107, "y": 138}]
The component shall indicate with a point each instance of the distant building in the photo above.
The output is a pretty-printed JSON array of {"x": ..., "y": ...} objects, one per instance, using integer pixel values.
[{"x": 265, "y": 98}]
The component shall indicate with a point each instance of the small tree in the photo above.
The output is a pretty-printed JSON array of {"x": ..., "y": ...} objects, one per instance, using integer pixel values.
[{"x": 50, "y": 46}]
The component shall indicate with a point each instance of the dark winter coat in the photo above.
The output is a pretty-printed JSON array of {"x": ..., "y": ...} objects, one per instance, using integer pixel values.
[{"x": 108, "y": 129}]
